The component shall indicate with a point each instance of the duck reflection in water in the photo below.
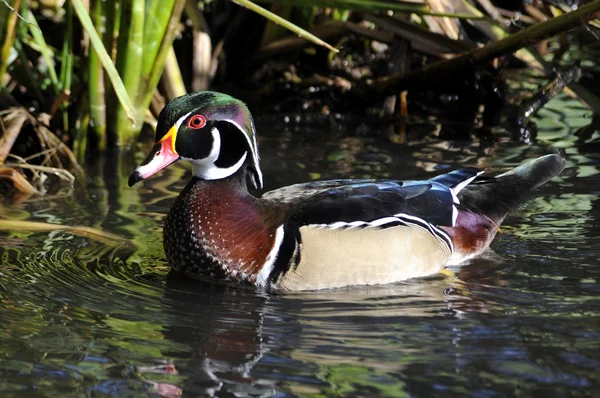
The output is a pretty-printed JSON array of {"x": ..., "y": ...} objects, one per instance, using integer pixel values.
[
  {"x": 236, "y": 335},
  {"x": 223, "y": 327}
]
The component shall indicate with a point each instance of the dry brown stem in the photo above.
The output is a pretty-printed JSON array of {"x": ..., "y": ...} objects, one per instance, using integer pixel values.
[
  {"x": 10, "y": 126},
  {"x": 445, "y": 69}
]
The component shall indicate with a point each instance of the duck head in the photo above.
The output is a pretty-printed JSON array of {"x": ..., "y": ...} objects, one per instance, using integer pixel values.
[{"x": 213, "y": 131}]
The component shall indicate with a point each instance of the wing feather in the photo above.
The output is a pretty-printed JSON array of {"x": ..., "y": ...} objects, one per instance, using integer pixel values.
[{"x": 368, "y": 200}]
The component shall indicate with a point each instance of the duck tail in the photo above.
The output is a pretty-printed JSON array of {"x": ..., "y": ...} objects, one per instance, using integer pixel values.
[{"x": 495, "y": 197}]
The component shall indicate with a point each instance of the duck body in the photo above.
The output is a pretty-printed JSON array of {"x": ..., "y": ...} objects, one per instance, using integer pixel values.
[
  {"x": 283, "y": 239},
  {"x": 324, "y": 234}
]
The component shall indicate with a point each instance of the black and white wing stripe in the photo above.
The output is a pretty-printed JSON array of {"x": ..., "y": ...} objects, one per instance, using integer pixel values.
[{"x": 393, "y": 221}]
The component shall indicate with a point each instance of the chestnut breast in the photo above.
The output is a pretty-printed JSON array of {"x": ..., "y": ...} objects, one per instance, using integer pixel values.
[{"x": 217, "y": 230}]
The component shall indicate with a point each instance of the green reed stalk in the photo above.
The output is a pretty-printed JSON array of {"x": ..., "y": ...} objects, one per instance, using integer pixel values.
[
  {"x": 66, "y": 66},
  {"x": 154, "y": 30},
  {"x": 157, "y": 63},
  {"x": 8, "y": 32},
  {"x": 130, "y": 46},
  {"x": 96, "y": 91},
  {"x": 111, "y": 15}
]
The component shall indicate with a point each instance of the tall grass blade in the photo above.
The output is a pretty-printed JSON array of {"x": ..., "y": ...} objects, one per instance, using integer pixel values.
[
  {"x": 274, "y": 31},
  {"x": 286, "y": 24},
  {"x": 375, "y": 6}
]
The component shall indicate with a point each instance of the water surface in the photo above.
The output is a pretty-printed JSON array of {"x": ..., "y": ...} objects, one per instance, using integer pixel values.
[{"x": 101, "y": 316}]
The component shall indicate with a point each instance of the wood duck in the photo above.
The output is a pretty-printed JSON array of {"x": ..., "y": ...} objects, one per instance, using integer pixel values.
[{"x": 317, "y": 235}]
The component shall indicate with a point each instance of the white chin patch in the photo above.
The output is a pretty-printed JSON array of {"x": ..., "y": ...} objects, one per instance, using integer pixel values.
[{"x": 206, "y": 168}]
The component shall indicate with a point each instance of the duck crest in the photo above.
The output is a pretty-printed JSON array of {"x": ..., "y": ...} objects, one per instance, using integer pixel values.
[{"x": 215, "y": 229}]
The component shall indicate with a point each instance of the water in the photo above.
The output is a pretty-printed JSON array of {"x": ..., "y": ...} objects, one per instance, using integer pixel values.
[{"x": 100, "y": 316}]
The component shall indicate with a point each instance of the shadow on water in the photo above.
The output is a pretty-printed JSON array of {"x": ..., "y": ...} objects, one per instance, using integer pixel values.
[{"x": 85, "y": 318}]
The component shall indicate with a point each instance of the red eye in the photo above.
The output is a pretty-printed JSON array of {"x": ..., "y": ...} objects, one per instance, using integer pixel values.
[{"x": 196, "y": 122}]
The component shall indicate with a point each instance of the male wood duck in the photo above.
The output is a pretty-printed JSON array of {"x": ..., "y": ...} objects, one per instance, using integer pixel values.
[{"x": 317, "y": 235}]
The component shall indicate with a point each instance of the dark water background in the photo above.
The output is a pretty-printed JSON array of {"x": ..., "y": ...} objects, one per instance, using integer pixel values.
[{"x": 88, "y": 316}]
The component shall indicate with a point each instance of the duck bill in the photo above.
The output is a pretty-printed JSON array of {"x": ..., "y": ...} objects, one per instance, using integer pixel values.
[{"x": 162, "y": 155}]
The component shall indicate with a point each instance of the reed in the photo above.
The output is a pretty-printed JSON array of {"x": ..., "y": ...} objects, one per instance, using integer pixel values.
[{"x": 8, "y": 32}]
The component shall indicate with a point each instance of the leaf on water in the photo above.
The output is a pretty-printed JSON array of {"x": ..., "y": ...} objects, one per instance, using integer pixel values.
[{"x": 86, "y": 232}]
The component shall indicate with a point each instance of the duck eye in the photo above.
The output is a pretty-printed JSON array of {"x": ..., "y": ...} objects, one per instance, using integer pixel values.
[{"x": 196, "y": 122}]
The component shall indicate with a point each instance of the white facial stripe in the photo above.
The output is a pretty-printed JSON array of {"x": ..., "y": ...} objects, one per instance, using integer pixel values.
[
  {"x": 206, "y": 168},
  {"x": 253, "y": 147},
  {"x": 181, "y": 119},
  {"x": 215, "y": 151}
]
